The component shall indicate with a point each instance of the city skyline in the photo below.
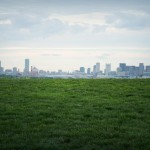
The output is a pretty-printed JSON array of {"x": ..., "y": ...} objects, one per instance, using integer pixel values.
[
  {"x": 63, "y": 34},
  {"x": 96, "y": 67},
  {"x": 122, "y": 71},
  {"x": 76, "y": 67}
]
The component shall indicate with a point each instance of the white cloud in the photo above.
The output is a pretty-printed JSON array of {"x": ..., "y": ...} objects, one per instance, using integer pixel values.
[
  {"x": 135, "y": 13},
  {"x": 132, "y": 20},
  {"x": 5, "y": 22},
  {"x": 96, "y": 18}
]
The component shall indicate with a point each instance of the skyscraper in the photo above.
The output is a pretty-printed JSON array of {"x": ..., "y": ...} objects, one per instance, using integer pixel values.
[
  {"x": 122, "y": 66},
  {"x": 26, "y": 69},
  {"x": 1, "y": 69},
  {"x": 88, "y": 71},
  {"x": 97, "y": 67},
  {"x": 131, "y": 70},
  {"x": 107, "y": 69},
  {"x": 141, "y": 69},
  {"x": 147, "y": 68},
  {"x": 27, "y": 65},
  {"x": 94, "y": 69},
  {"x": 14, "y": 70},
  {"x": 82, "y": 69}
]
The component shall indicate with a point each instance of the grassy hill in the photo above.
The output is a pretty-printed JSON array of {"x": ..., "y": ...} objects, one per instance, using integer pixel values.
[{"x": 75, "y": 114}]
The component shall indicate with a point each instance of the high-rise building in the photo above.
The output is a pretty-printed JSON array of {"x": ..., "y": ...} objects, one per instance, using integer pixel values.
[
  {"x": 82, "y": 69},
  {"x": 88, "y": 71},
  {"x": 94, "y": 69},
  {"x": 27, "y": 65},
  {"x": 131, "y": 70},
  {"x": 147, "y": 68},
  {"x": 26, "y": 69},
  {"x": 136, "y": 72},
  {"x": 141, "y": 69},
  {"x": 107, "y": 69},
  {"x": 1, "y": 69},
  {"x": 122, "y": 66},
  {"x": 15, "y": 71},
  {"x": 97, "y": 67}
]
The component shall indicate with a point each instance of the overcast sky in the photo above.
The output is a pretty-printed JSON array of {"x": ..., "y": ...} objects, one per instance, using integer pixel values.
[{"x": 67, "y": 34}]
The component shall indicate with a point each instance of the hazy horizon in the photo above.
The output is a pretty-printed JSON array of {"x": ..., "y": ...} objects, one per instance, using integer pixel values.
[{"x": 64, "y": 34}]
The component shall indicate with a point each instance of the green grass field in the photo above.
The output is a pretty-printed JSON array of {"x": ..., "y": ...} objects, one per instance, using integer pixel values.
[{"x": 93, "y": 114}]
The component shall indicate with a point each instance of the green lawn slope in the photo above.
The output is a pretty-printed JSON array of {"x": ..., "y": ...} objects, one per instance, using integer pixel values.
[{"x": 95, "y": 114}]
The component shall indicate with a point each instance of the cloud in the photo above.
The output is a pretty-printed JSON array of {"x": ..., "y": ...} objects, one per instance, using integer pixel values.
[
  {"x": 5, "y": 22},
  {"x": 24, "y": 20},
  {"x": 80, "y": 23},
  {"x": 132, "y": 20},
  {"x": 54, "y": 26},
  {"x": 97, "y": 18}
]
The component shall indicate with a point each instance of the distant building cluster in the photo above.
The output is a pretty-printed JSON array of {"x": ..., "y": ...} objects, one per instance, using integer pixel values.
[
  {"x": 138, "y": 71},
  {"x": 123, "y": 71}
]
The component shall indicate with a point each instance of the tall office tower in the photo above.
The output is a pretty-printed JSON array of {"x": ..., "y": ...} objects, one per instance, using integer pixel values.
[
  {"x": 136, "y": 71},
  {"x": 88, "y": 70},
  {"x": 97, "y": 67},
  {"x": 147, "y": 68},
  {"x": 107, "y": 69},
  {"x": 27, "y": 65},
  {"x": 82, "y": 69},
  {"x": 94, "y": 69},
  {"x": 26, "y": 69},
  {"x": 141, "y": 69},
  {"x": 1, "y": 69},
  {"x": 131, "y": 70},
  {"x": 122, "y": 66},
  {"x": 15, "y": 71}
]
